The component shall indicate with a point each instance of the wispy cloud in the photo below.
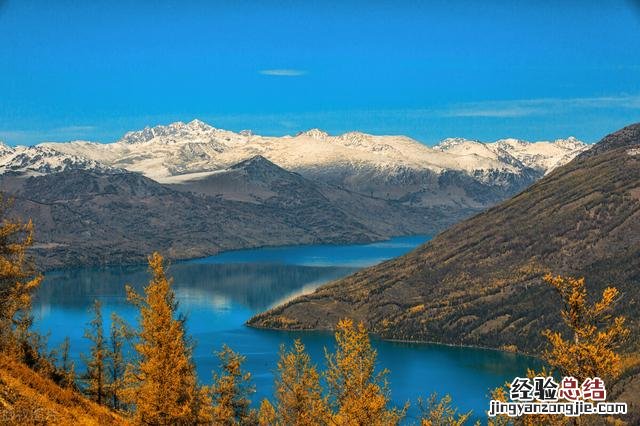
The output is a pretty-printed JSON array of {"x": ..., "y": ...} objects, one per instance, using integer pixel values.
[
  {"x": 485, "y": 110},
  {"x": 74, "y": 129},
  {"x": 283, "y": 72},
  {"x": 542, "y": 106}
]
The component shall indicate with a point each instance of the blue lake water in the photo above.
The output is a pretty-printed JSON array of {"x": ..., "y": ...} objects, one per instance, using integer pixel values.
[{"x": 219, "y": 293}]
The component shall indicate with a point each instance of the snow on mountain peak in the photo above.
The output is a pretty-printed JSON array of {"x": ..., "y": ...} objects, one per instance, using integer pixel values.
[
  {"x": 180, "y": 148},
  {"x": 200, "y": 126},
  {"x": 355, "y": 137},
  {"x": 314, "y": 134},
  {"x": 512, "y": 143},
  {"x": 5, "y": 149},
  {"x": 170, "y": 133},
  {"x": 570, "y": 143},
  {"x": 44, "y": 159},
  {"x": 450, "y": 143},
  {"x": 542, "y": 155}
]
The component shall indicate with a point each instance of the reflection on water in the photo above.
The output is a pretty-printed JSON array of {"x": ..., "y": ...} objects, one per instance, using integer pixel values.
[
  {"x": 218, "y": 294},
  {"x": 255, "y": 286}
]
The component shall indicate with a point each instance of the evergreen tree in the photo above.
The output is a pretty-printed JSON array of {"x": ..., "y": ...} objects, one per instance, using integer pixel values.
[
  {"x": 357, "y": 394},
  {"x": 162, "y": 383},
  {"x": 96, "y": 374},
  {"x": 231, "y": 391}
]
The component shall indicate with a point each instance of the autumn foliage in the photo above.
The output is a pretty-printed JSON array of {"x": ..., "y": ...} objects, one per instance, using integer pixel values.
[
  {"x": 590, "y": 349},
  {"x": 231, "y": 390},
  {"x": 161, "y": 384},
  {"x": 298, "y": 392},
  {"x": 18, "y": 281},
  {"x": 358, "y": 395},
  {"x": 95, "y": 377},
  {"x": 595, "y": 336}
]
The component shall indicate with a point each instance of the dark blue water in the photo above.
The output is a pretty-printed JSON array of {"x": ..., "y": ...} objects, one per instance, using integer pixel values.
[{"x": 218, "y": 294}]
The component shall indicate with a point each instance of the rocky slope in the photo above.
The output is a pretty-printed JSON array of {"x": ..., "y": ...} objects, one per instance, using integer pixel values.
[
  {"x": 102, "y": 217},
  {"x": 479, "y": 282}
]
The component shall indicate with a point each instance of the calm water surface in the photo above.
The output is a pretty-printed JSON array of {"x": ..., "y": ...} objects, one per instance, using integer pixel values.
[{"x": 219, "y": 293}]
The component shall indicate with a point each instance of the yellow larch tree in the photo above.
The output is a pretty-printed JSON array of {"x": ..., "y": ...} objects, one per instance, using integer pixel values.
[
  {"x": 96, "y": 375},
  {"x": 231, "y": 391},
  {"x": 267, "y": 414},
  {"x": 439, "y": 412},
  {"x": 590, "y": 350},
  {"x": 116, "y": 367},
  {"x": 357, "y": 394},
  {"x": 162, "y": 384},
  {"x": 66, "y": 372},
  {"x": 299, "y": 399},
  {"x": 18, "y": 281}
]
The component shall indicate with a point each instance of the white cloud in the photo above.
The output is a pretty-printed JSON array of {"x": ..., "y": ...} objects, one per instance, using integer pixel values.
[{"x": 283, "y": 72}]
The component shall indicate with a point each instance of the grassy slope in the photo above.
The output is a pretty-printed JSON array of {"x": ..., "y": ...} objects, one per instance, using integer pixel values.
[{"x": 28, "y": 398}]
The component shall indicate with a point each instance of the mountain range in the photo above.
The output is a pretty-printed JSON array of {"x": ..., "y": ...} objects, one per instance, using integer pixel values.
[
  {"x": 93, "y": 217},
  {"x": 457, "y": 172},
  {"x": 190, "y": 189},
  {"x": 480, "y": 281}
]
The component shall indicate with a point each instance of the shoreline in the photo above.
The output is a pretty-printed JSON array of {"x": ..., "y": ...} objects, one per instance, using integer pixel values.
[{"x": 412, "y": 342}]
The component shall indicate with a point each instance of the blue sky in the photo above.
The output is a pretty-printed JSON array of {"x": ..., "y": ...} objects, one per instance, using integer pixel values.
[{"x": 428, "y": 69}]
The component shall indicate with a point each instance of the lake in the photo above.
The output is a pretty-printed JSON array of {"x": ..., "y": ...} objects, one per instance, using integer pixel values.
[{"x": 219, "y": 294}]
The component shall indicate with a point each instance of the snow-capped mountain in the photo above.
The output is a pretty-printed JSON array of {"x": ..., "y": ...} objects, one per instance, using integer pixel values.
[
  {"x": 42, "y": 159},
  {"x": 4, "y": 149},
  {"x": 457, "y": 172},
  {"x": 208, "y": 189},
  {"x": 180, "y": 148},
  {"x": 543, "y": 156}
]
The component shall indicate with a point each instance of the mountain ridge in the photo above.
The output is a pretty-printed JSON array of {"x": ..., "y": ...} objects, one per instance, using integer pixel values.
[
  {"x": 86, "y": 217},
  {"x": 479, "y": 282},
  {"x": 354, "y": 160}
]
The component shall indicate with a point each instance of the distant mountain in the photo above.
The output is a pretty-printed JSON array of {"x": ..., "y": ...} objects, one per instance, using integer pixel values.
[
  {"x": 311, "y": 187},
  {"x": 258, "y": 181},
  {"x": 450, "y": 175},
  {"x": 479, "y": 282},
  {"x": 93, "y": 217},
  {"x": 5, "y": 149},
  {"x": 42, "y": 159},
  {"x": 540, "y": 156}
]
